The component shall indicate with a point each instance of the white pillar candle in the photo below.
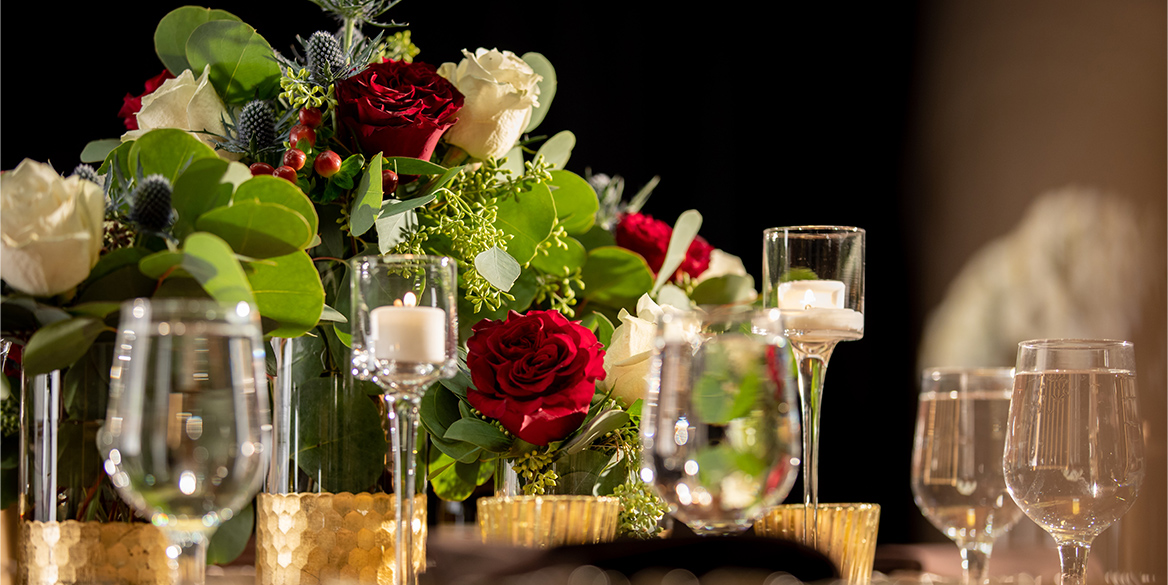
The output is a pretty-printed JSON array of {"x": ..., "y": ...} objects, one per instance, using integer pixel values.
[
  {"x": 817, "y": 305},
  {"x": 407, "y": 333}
]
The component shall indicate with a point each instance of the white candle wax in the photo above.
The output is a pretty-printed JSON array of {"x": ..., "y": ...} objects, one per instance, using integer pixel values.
[
  {"x": 841, "y": 320},
  {"x": 812, "y": 294},
  {"x": 408, "y": 334}
]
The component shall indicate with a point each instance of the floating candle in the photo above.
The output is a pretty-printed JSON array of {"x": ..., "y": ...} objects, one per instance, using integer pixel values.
[
  {"x": 817, "y": 305},
  {"x": 408, "y": 333}
]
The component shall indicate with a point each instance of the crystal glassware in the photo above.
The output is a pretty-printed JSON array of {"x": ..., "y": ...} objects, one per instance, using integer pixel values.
[
  {"x": 957, "y": 460},
  {"x": 187, "y": 430},
  {"x": 405, "y": 336},
  {"x": 1074, "y": 454},
  {"x": 719, "y": 430},
  {"x": 815, "y": 275}
]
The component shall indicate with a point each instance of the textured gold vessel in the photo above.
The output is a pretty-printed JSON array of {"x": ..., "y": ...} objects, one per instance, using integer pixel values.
[
  {"x": 310, "y": 538},
  {"x": 546, "y": 521},
  {"x": 846, "y": 534},
  {"x": 91, "y": 552}
]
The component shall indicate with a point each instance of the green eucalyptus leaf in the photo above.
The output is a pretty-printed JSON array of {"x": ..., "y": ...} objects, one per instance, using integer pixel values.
[
  {"x": 242, "y": 63},
  {"x": 455, "y": 481},
  {"x": 366, "y": 199},
  {"x": 58, "y": 345},
  {"x": 230, "y": 539},
  {"x": 393, "y": 229},
  {"x": 97, "y": 150},
  {"x": 212, "y": 263},
  {"x": 596, "y": 237},
  {"x": 616, "y": 276},
  {"x": 288, "y": 291},
  {"x": 391, "y": 207},
  {"x": 558, "y": 149},
  {"x": 513, "y": 161},
  {"x": 479, "y": 433},
  {"x": 576, "y": 202},
  {"x": 547, "y": 87},
  {"x": 523, "y": 290},
  {"x": 404, "y": 165},
  {"x": 161, "y": 263},
  {"x": 344, "y": 179},
  {"x": 600, "y": 326},
  {"x": 98, "y": 309},
  {"x": 116, "y": 278},
  {"x": 167, "y": 152},
  {"x": 580, "y": 472},
  {"x": 340, "y": 437},
  {"x": 206, "y": 184},
  {"x": 560, "y": 261},
  {"x": 724, "y": 290},
  {"x": 330, "y": 314},
  {"x": 498, "y": 267},
  {"x": 674, "y": 296},
  {"x": 271, "y": 189},
  {"x": 258, "y": 229},
  {"x": 170, "y": 37},
  {"x": 684, "y": 232},
  {"x": 529, "y": 217},
  {"x": 602, "y": 424},
  {"x": 440, "y": 182},
  {"x": 723, "y": 393}
]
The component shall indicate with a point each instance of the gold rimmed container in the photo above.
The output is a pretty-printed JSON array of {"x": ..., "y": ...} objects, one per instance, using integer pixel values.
[
  {"x": 846, "y": 532},
  {"x": 547, "y": 521}
]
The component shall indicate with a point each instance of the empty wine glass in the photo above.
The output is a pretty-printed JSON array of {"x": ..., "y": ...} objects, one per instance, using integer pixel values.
[
  {"x": 957, "y": 460},
  {"x": 720, "y": 428},
  {"x": 187, "y": 430},
  {"x": 815, "y": 275},
  {"x": 1074, "y": 455},
  {"x": 405, "y": 337}
]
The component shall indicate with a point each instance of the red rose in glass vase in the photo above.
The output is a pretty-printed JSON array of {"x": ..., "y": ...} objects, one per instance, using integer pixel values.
[
  {"x": 649, "y": 237},
  {"x": 397, "y": 108},
  {"x": 534, "y": 373}
]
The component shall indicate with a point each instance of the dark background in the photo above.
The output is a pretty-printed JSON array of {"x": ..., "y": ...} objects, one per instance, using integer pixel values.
[{"x": 754, "y": 115}]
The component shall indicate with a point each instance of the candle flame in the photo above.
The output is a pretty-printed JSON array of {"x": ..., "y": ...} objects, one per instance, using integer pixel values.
[
  {"x": 410, "y": 299},
  {"x": 808, "y": 299}
]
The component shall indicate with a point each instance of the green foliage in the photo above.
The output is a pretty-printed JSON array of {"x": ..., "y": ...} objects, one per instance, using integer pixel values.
[
  {"x": 241, "y": 62},
  {"x": 173, "y": 31}
]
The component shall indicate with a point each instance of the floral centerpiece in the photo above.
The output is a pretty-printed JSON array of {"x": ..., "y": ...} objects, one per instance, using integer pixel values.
[{"x": 249, "y": 174}]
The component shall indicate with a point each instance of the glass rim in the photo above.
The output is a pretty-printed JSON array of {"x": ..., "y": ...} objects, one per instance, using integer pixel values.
[
  {"x": 815, "y": 229},
  {"x": 189, "y": 305},
  {"x": 387, "y": 258},
  {"x": 1074, "y": 344},
  {"x": 973, "y": 370}
]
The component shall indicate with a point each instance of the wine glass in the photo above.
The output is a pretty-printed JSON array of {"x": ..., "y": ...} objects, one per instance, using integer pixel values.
[
  {"x": 815, "y": 275},
  {"x": 719, "y": 429},
  {"x": 187, "y": 431},
  {"x": 405, "y": 336},
  {"x": 1074, "y": 455},
  {"x": 956, "y": 467}
]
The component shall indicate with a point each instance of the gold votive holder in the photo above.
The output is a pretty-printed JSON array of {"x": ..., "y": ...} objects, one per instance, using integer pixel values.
[
  {"x": 323, "y": 538},
  {"x": 547, "y": 521},
  {"x": 92, "y": 552},
  {"x": 846, "y": 534}
]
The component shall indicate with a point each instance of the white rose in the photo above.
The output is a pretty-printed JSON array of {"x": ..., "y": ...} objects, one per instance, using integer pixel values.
[
  {"x": 186, "y": 103},
  {"x": 50, "y": 229},
  {"x": 630, "y": 353},
  {"x": 500, "y": 90}
]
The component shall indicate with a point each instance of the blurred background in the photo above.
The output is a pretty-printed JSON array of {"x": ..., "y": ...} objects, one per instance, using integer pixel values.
[{"x": 1008, "y": 161}]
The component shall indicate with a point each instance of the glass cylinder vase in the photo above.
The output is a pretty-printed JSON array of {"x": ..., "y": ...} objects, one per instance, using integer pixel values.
[
  {"x": 327, "y": 511},
  {"x": 73, "y": 526}
]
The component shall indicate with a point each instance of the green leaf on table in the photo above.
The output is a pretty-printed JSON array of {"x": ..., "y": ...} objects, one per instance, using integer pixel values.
[
  {"x": 547, "y": 87},
  {"x": 97, "y": 150},
  {"x": 404, "y": 165},
  {"x": 529, "y": 217},
  {"x": 576, "y": 202},
  {"x": 212, "y": 263},
  {"x": 724, "y": 290},
  {"x": 340, "y": 438},
  {"x": 58, "y": 345},
  {"x": 684, "y": 232},
  {"x": 258, "y": 229},
  {"x": 498, "y": 267},
  {"x": 616, "y": 276},
  {"x": 366, "y": 199},
  {"x": 558, "y": 149},
  {"x": 269, "y": 189},
  {"x": 207, "y": 184},
  {"x": 230, "y": 539},
  {"x": 287, "y": 291},
  {"x": 600, "y": 325},
  {"x": 167, "y": 152},
  {"x": 242, "y": 63},
  {"x": 561, "y": 261},
  {"x": 170, "y": 37}
]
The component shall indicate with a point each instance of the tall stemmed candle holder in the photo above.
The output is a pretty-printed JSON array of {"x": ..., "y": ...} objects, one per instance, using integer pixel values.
[
  {"x": 815, "y": 276},
  {"x": 405, "y": 335}
]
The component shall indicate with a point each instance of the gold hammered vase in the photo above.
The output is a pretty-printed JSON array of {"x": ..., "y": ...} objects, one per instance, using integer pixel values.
[
  {"x": 547, "y": 521},
  {"x": 846, "y": 534}
]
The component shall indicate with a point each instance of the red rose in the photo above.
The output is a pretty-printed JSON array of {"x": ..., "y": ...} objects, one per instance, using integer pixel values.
[
  {"x": 534, "y": 373},
  {"x": 131, "y": 105},
  {"x": 649, "y": 237},
  {"x": 397, "y": 108}
]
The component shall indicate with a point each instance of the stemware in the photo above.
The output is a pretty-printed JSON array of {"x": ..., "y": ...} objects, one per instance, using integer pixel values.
[
  {"x": 187, "y": 431},
  {"x": 719, "y": 429},
  {"x": 405, "y": 335},
  {"x": 1074, "y": 454},
  {"x": 957, "y": 460},
  {"x": 815, "y": 275}
]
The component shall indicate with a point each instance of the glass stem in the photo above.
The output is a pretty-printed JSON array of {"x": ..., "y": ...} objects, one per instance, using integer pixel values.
[
  {"x": 403, "y": 414},
  {"x": 187, "y": 557},
  {"x": 975, "y": 564},
  {"x": 812, "y": 370},
  {"x": 1073, "y": 557}
]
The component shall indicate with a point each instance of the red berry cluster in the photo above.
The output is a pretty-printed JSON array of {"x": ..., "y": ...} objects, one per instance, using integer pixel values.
[{"x": 302, "y": 136}]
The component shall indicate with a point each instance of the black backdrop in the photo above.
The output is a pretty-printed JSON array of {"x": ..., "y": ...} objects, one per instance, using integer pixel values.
[{"x": 757, "y": 114}]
